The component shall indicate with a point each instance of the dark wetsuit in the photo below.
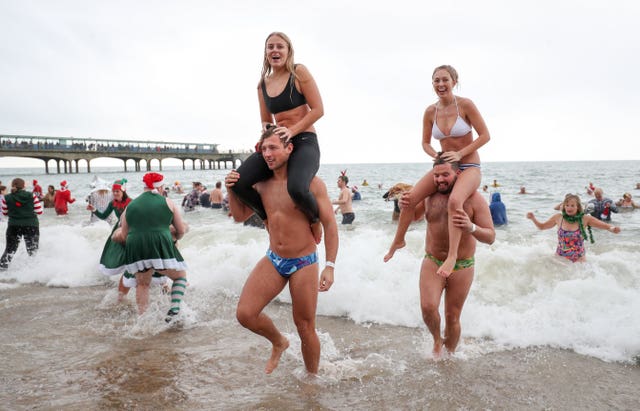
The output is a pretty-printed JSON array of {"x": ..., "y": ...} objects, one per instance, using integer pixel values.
[{"x": 303, "y": 164}]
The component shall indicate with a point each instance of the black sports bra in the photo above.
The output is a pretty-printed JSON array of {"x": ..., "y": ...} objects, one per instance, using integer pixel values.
[{"x": 290, "y": 98}]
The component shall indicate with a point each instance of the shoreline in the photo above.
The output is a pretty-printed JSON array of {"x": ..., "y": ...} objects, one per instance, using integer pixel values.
[{"x": 73, "y": 348}]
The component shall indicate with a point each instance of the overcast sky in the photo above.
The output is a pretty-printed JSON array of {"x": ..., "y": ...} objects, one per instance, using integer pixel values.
[{"x": 554, "y": 80}]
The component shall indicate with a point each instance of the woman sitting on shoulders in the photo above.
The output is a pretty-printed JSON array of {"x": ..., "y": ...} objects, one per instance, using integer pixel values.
[
  {"x": 289, "y": 100},
  {"x": 451, "y": 121}
]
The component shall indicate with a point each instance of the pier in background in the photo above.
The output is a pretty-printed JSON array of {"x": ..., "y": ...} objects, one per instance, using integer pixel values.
[{"x": 68, "y": 152}]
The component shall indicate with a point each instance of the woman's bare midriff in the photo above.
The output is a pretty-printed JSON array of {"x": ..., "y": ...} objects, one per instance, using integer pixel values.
[
  {"x": 293, "y": 116},
  {"x": 457, "y": 144}
]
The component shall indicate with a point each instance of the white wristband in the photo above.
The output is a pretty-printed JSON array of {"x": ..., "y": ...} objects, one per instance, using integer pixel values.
[
  {"x": 473, "y": 228},
  {"x": 330, "y": 264},
  {"x": 612, "y": 228}
]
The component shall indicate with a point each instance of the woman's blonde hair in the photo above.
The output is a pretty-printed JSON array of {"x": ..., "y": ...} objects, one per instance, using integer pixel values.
[
  {"x": 572, "y": 197},
  {"x": 452, "y": 72}
]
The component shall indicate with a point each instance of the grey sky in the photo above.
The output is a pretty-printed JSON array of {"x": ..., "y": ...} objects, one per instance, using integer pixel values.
[{"x": 554, "y": 80}]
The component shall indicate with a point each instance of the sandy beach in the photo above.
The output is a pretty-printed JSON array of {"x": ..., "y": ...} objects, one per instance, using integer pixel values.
[{"x": 75, "y": 349}]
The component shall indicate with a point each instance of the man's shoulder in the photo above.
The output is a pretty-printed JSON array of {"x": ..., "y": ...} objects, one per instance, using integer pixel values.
[{"x": 477, "y": 200}]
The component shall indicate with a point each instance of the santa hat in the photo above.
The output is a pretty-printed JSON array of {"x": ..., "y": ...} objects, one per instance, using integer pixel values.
[
  {"x": 153, "y": 180},
  {"x": 35, "y": 182},
  {"x": 119, "y": 185},
  {"x": 63, "y": 184}
]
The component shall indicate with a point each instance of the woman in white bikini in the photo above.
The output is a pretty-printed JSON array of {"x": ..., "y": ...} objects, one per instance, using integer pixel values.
[{"x": 450, "y": 120}]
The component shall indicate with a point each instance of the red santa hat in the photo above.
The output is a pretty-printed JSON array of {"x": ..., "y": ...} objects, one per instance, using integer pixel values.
[
  {"x": 153, "y": 180},
  {"x": 35, "y": 182},
  {"x": 63, "y": 184}
]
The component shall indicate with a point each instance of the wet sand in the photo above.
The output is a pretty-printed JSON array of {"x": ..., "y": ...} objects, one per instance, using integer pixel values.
[{"x": 75, "y": 349}]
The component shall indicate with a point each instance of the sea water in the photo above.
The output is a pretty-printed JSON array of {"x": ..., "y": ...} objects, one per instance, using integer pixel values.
[{"x": 523, "y": 296}]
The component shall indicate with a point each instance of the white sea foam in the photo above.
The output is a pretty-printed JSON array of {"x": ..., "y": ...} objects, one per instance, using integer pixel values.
[{"x": 522, "y": 294}]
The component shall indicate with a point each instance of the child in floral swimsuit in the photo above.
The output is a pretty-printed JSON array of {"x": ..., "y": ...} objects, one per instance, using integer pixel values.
[{"x": 571, "y": 228}]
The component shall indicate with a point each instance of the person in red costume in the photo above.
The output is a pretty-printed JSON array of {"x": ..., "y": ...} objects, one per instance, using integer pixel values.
[
  {"x": 62, "y": 198},
  {"x": 37, "y": 190}
]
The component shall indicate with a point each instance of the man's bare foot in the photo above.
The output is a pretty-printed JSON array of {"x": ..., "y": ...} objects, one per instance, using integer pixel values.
[
  {"x": 447, "y": 267},
  {"x": 437, "y": 349},
  {"x": 316, "y": 230},
  {"x": 449, "y": 349},
  {"x": 276, "y": 353},
  {"x": 394, "y": 246}
]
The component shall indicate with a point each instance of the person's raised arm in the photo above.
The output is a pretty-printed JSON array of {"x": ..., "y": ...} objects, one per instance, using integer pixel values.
[
  {"x": 330, "y": 228},
  {"x": 594, "y": 222},
  {"x": 550, "y": 223},
  {"x": 37, "y": 205},
  {"x": 102, "y": 214},
  {"x": 239, "y": 211}
]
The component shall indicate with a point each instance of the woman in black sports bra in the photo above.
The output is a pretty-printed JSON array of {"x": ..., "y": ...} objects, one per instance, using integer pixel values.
[{"x": 290, "y": 100}]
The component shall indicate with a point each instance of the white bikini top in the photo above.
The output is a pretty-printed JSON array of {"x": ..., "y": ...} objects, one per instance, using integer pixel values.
[{"x": 460, "y": 127}]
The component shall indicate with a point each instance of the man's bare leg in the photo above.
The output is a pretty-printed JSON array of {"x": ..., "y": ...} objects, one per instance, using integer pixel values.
[
  {"x": 457, "y": 289},
  {"x": 303, "y": 286},
  {"x": 276, "y": 352},
  {"x": 262, "y": 286},
  {"x": 431, "y": 287}
]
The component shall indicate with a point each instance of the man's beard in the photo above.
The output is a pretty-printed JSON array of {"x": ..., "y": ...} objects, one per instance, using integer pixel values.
[{"x": 446, "y": 190}]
